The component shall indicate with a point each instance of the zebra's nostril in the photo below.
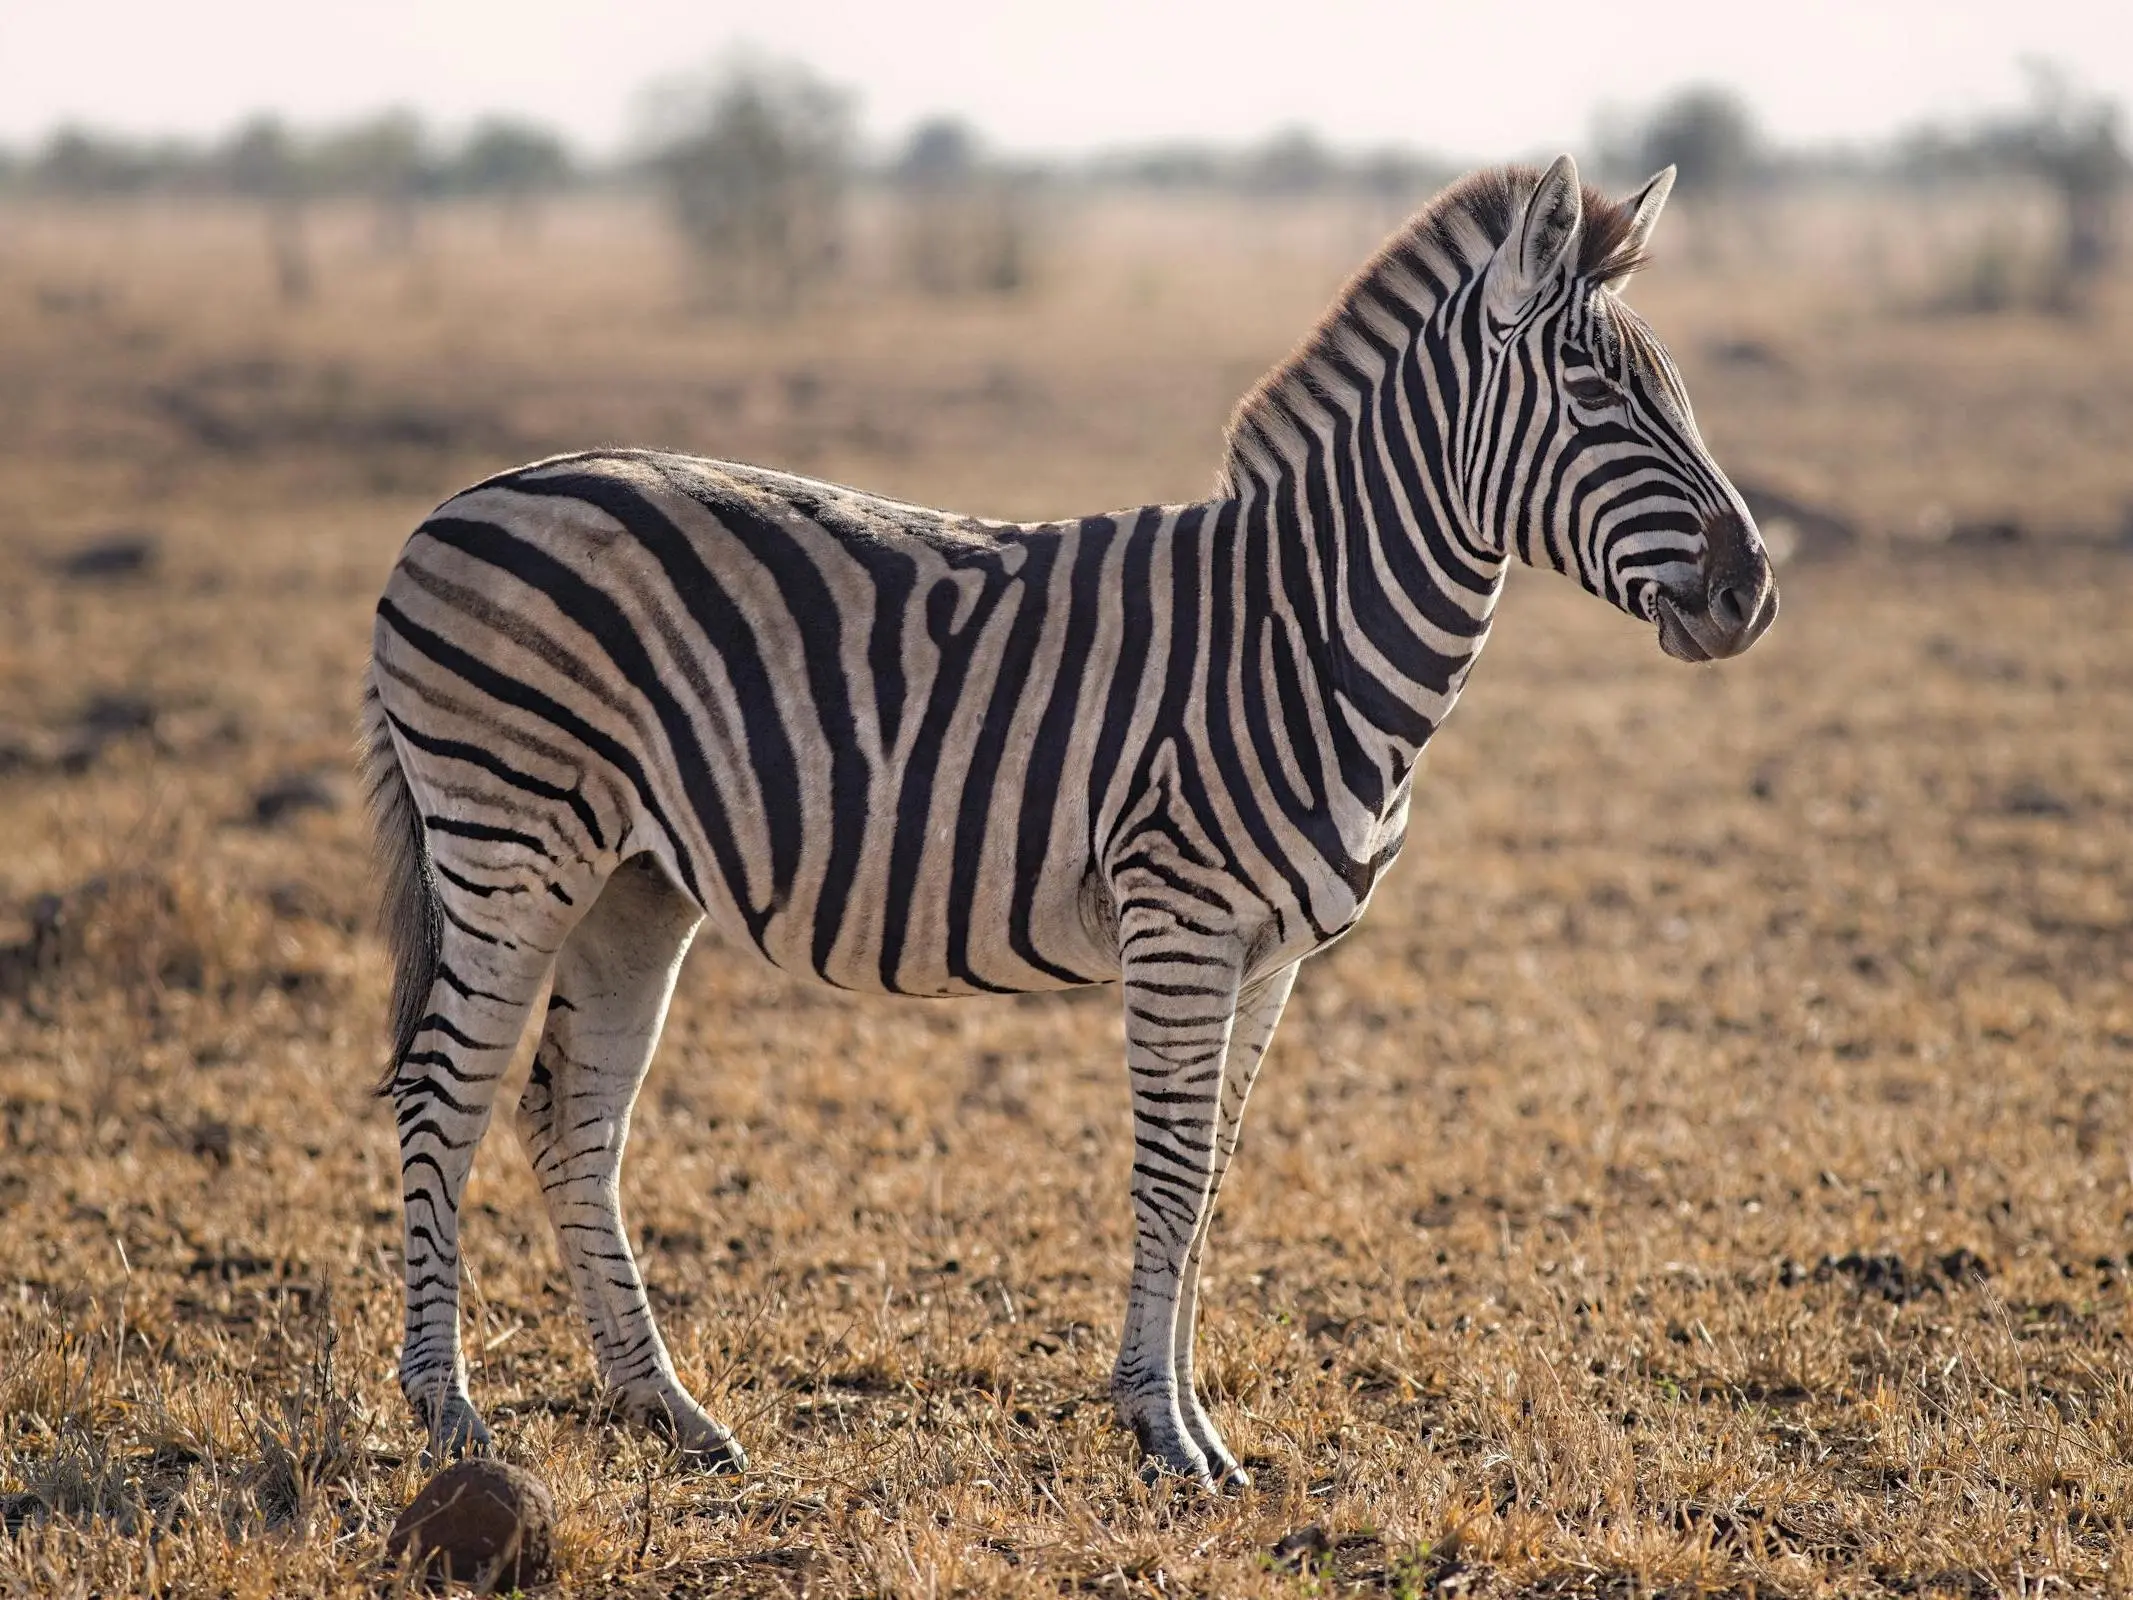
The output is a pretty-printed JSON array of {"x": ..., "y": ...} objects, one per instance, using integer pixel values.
[{"x": 1730, "y": 603}]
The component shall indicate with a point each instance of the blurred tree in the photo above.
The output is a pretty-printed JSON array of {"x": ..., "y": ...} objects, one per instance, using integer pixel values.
[
  {"x": 509, "y": 158},
  {"x": 1294, "y": 161},
  {"x": 1400, "y": 177},
  {"x": 755, "y": 167},
  {"x": 2069, "y": 141},
  {"x": 1178, "y": 166},
  {"x": 81, "y": 162},
  {"x": 385, "y": 158},
  {"x": 940, "y": 150},
  {"x": 966, "y": 221},
  {"x": 262, "y": 161},
  {"x": 1706, "y": 133},
  {"x": 2073, "y": 142},
  {"x": 514, "y": 162}
]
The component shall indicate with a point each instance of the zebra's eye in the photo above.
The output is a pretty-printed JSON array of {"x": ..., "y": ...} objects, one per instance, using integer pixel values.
[{"x": 1594, "y": 392}]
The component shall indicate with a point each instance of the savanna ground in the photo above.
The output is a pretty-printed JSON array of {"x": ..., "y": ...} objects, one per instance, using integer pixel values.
[{"x": 1706, "y": 1170}]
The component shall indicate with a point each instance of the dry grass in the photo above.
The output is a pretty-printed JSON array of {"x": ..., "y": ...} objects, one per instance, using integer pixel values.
[{"x": 1706, "y": 1170}]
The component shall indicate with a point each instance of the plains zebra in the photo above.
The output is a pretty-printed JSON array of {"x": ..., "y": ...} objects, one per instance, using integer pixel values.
[{"x": 618, "y": 693}]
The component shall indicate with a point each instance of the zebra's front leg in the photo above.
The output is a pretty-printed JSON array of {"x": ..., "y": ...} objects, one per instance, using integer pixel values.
[
  {"x": 1258, "y": 1011},
  {"x": 613, "y": 981},
  {"x": 1180, "y": 995}
]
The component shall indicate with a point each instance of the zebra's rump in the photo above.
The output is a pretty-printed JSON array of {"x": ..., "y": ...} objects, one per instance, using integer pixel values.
[{"x": 863, "y": 735}]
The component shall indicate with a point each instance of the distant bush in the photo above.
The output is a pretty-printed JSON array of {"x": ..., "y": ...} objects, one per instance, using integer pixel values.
[
  {"x": 1170, "y": 166},
  {"x": 965, "y": 221},
  {"x": 1707, "y": 134},
  {"x": 1399, "y": 177},
  {"x": 81, "y": 161},
  {"x": 264, "y": 162},
  {"x": 381, "y": 156},
  {"x": 941, "y": 150},
  {"x": 2071, "y": 142},
  {"x": 506, "y": 157},
  {"x": 1292, "y": 162},
  {"x": 390, "y": 156},
  {"x": 390, "y": 160},
  {"x": 755, "y": 165}
]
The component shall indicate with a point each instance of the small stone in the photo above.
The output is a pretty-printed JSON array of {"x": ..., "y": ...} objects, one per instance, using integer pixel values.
[
  {"x": 211, "y": 1140},
  {"x": 114, "y": 555},
  {"x": 1302, "y": 1549},
  {"x": 483, "y": 1523},
  {"x": 2032, "y": 799},
  {"x": 1987, "y": 532},
  {"x": 113, "y": 716},
  {"x": 296, "y": 792}
]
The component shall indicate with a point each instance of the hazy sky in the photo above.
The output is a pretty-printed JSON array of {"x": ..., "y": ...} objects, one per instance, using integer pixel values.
[{"x": 1470, "y": 79}]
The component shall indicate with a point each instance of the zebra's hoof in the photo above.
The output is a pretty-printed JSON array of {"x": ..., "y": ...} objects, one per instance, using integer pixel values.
[
  {"x": 1168, "y": 1456},
  {"x": 1161, "y": 1474},
  {"x": 1226, "y": 1471},
  {"x": 459, "y": 1433},
  {"x": 722, "y": 1457},
  {"x": 704, "y": 1444}
]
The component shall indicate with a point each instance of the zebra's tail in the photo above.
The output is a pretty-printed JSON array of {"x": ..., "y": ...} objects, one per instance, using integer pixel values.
[{"x": 408, "y": 909}]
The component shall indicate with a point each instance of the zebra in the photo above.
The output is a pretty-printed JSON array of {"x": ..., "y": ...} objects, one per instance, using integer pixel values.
[{"x": 616, "y": 695}]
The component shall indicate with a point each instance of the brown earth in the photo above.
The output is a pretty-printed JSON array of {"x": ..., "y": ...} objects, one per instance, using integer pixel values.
[{"x": 1705, "y": 1171}]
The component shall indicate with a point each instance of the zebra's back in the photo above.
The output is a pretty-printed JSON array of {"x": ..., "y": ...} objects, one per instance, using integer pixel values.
[{"x": 868, "y": 737}]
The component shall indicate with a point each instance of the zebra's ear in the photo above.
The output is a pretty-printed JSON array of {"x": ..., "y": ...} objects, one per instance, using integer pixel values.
[
  {"x": 1539, "y": 240},
  {"x": 1645, "y": 206}
]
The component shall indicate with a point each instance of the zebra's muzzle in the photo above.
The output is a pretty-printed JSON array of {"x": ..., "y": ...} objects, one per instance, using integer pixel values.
[
  {"x": 1709, "y": 633},
  {"x": 1739, "y": 599}
]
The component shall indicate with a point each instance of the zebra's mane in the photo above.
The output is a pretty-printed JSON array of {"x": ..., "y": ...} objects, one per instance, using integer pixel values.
[{"x": 1443, "y": 244}]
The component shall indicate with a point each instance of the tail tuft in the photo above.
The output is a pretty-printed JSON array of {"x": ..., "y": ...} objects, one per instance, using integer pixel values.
[{"x": 408, "y": 909}]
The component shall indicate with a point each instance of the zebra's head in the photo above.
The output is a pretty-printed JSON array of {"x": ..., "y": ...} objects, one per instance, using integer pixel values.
[{"x": 1581, "y": 452}]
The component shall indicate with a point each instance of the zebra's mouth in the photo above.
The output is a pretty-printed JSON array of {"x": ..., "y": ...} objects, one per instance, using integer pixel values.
[
  {"x": 1675, "y": 635},
  {"x": 1694, "y": 633}
]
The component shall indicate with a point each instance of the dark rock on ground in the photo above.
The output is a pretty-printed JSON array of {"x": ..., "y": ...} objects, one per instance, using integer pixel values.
[
  {"x": 482, "y": 1522},
  {"x": 122, "y": 554}
]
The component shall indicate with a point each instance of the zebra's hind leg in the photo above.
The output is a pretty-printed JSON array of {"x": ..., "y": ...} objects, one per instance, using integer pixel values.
[
  {"x": 613, "y": 980},
  {"x": 1258, "y": 1010},
  {"x": 442, "y": 1092}
]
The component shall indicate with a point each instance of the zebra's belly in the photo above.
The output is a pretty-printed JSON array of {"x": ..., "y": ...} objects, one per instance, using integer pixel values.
[{"x": 938, "y": 932}]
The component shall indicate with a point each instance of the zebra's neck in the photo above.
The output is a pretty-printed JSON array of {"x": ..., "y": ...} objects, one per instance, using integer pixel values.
[
  {"x": 1369, "y": 555},
  {"x": 1388, "y": 610},
  {"x": 1345, "y": 454}
]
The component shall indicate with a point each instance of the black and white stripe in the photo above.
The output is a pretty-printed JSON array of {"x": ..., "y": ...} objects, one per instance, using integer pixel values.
[{"x": 614, "y": 695}]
